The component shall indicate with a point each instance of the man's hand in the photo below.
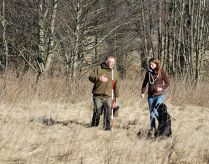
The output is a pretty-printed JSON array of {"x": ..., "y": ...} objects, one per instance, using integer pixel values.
[
  {"x": 115, "y": 103},
  {"x": 142, "y": 95},
  {"x": 103, "y": 79}
]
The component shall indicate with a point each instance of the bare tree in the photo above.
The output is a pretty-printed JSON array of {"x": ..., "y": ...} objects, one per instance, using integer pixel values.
[
  {"x": 74, "y": 35},
  {"x": 46, "y": 45},
  {"x": 4, "y": 63}
]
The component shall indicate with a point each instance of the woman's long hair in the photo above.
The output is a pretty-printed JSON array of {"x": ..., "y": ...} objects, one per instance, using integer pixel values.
[{"x": 157, "y": 62}]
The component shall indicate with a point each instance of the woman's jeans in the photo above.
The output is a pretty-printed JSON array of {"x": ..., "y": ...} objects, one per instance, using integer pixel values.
[{"x": 152, "y": 102}]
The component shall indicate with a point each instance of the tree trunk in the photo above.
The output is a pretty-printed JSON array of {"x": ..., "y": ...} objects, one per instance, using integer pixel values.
[
  {"x": 160, "y": 30},
  {"x": 76, "y": 50},
  {"x": 41, "y": 53},
  {"x": 50, "y": 52},
  {"x": 6, "y": 52},
  {"x": 180, "y": 38}
]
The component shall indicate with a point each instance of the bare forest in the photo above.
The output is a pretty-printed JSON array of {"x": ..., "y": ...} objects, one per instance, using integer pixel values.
[{"x": 49, "y": 47}]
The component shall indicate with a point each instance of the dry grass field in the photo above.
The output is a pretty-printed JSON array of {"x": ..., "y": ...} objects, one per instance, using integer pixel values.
[{"x": 24, "y": 138}]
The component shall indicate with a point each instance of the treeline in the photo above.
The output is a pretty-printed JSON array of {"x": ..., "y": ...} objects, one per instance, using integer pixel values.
[{"x": 70, "y": 36}]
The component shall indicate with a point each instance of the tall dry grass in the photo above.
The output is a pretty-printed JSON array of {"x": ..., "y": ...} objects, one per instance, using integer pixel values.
[{"x": 24, "y": 138}]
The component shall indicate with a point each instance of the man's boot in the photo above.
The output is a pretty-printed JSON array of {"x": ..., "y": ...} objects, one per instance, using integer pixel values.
[
  {"x": 107, "y": 117},
  {"x": 95, "y": 119}
]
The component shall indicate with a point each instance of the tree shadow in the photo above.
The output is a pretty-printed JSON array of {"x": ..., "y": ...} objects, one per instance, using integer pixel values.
[{"x": 50, "y": 121}]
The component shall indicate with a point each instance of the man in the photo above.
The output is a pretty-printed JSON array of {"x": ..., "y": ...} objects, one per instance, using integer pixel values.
[{"x": 102, "y": 91}]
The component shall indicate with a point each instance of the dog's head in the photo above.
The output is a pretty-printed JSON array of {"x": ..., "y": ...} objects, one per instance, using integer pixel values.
[{"x": 162, "y": 111}]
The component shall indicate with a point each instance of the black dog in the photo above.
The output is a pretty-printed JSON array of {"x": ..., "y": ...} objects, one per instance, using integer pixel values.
[{"x": 164, "y": 121}]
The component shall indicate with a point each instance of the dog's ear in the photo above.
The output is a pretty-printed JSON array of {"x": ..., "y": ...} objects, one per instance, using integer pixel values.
[
  {"x": 157, "y": 106},
  {"x": 164, "y": 107}
]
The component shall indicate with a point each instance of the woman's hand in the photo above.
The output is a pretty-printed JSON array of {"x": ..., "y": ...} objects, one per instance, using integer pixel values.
[{"x": 159, "y": 89}]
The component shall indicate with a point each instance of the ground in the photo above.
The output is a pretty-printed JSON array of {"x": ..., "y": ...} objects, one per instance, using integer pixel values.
[{"x": 24, "y": 138}]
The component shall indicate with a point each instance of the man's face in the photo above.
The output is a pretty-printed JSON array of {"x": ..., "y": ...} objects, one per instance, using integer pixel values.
[{"x": 110, "y": 63}]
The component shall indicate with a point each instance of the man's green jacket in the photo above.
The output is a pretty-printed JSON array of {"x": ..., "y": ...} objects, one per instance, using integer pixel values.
[{"x": 104, "y": 88}]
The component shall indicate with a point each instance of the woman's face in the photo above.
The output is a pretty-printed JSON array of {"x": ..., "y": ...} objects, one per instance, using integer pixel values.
[{"x": 152, "y": 65}]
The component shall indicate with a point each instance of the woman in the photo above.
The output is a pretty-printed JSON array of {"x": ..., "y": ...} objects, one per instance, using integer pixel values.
[{"x": 157, "y": 80}]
